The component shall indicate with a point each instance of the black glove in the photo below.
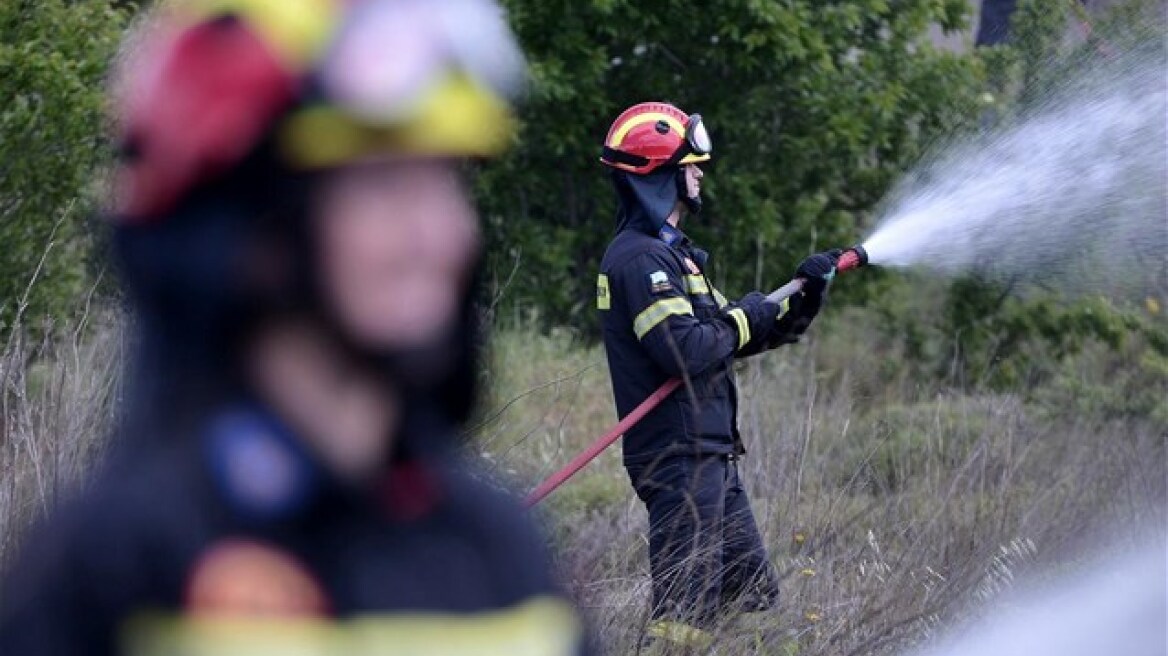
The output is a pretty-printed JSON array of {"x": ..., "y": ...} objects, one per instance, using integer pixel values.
[
  {"x": 790, "y": 327},
  {"x": 760, "y": 315},
  {"x": 818, "y": 270}
]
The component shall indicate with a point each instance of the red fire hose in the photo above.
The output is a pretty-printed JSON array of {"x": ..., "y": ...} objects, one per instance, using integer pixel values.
[{"x": 852, "y": 258}]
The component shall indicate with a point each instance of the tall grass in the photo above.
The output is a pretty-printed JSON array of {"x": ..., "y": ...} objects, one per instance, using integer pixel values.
[
  {"x": 57, "y": 399},
  {"x": 893, "y": 507}
]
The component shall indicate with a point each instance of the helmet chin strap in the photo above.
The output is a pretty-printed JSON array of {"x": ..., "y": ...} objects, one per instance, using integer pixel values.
[{"x": 692, "y": 203}]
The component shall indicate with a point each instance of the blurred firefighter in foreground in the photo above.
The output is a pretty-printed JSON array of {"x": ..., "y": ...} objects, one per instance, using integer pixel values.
[
  {"x": 662, "y": 318},
  {"x": 301, "y": 255}
]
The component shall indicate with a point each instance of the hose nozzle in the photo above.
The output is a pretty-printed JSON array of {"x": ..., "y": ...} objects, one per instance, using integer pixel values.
[{"x": 853, "y": 258}]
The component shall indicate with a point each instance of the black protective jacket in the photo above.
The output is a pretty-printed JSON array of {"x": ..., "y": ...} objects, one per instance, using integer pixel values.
[
  {"x": 662, "y": 318},
  {"x": 238, "y": 542}
]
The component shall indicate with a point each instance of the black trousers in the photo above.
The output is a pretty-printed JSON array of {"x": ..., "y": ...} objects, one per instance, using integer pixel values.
[{"x": 705, "y": 552}]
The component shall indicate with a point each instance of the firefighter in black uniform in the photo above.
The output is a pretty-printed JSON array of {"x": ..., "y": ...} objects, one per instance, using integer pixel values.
[
  {"x": 662, "y": 318},
  {"x": 301, "y": 256}
]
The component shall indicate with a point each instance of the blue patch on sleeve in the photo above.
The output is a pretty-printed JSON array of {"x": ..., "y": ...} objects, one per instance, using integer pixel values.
[{"x": 256, "y": 462}]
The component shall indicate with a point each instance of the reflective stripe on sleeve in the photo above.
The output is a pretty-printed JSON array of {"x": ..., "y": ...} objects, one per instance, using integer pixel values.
[
  {"x": 743, "y": 327},
  {"x": 603, "y": 293},
  {"x": 696, "y": 285},
  {"x": 722, "y": 302},
  {"x": 680, "y": 634},
  {"x": 658, "y": 312}
]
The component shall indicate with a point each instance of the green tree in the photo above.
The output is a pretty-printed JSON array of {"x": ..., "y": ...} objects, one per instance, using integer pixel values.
[
  {"x": 814, "y": 107},
  {"x": 53, "y": 59}
]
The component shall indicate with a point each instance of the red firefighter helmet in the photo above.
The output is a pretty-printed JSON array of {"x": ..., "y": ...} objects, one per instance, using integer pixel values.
[
  {"x": 649, "y": 135},
  {"x": 329, "y": 81}
]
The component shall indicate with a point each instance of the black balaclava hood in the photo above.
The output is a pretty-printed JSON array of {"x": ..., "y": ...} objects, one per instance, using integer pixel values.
[{"x": 645, "y": 201}]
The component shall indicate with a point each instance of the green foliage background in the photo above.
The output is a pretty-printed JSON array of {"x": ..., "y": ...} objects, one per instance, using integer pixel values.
[
  {"x": 815, "y": 108},
  {"x": 53, "y": 59}
]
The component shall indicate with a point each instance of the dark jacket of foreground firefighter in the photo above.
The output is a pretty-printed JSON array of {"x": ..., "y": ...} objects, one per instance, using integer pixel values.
[
  {"x": 301, "y": 256},
  {"x": 663, "y": 318}
]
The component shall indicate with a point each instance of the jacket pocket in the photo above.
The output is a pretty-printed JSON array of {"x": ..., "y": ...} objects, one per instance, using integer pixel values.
[{"x": 706, "y": 407}]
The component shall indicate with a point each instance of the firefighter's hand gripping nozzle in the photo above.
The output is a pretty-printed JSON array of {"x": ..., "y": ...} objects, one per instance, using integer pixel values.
[{"x": 852, "y": 258}]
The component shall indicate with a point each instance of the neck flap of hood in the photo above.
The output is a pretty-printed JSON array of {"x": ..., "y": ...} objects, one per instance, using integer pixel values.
[{"x": 645, "y": 200}]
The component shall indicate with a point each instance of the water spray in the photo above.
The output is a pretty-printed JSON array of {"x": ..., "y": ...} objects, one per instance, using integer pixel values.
[
  {"x": 1071, "y": 195},
  {"x": 852, "y": 258}
]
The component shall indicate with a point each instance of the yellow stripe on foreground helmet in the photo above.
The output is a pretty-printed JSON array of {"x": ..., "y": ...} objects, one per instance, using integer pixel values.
[{"x": 458, "y": 118}]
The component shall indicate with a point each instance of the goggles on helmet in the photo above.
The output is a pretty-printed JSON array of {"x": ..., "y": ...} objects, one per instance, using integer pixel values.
[
  {"x": 697, "y": 137},
  {"x": 388, "y": 55},
  {"x": 411, "y": 76}
]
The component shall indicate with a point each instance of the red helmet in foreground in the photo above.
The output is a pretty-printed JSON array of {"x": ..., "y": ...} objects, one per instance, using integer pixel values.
[{"x": 327, "y": 82}]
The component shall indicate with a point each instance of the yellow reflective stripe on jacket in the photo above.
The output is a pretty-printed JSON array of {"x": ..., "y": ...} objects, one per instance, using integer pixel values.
[
  {"x": 722, "y": 302},
  {"x": 297, "y": 29},
  {"x": 783, "y": 308},
  {"x": 658, "y": 312},
  {"x": 540, "y": 626},
  {"x": 696, "y": 285},
  {"x": 743, "y": 326},
  {"x": 603, "y": 293},
  {"x": 679, "y": 633}
]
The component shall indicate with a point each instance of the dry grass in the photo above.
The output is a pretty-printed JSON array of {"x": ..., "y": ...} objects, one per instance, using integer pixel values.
[
  {"x": 56, "y": 406},
  {"x": 892, "y": 507}
]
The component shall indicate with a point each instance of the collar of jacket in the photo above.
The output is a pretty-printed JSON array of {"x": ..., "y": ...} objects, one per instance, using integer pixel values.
[
  {"x": 680, "y": 241},
  {"x": 673, "y": 236}
]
